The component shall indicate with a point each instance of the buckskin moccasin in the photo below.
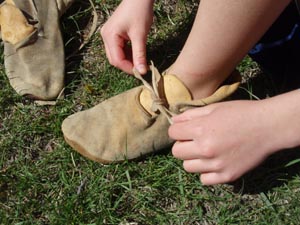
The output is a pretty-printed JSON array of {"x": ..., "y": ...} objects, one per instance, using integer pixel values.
[
  {"x": 33, "y": 48},
  {"x": 136, "y": 122}
]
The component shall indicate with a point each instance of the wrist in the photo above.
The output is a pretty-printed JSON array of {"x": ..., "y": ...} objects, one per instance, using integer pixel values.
[{"x": 282, "y": 115}]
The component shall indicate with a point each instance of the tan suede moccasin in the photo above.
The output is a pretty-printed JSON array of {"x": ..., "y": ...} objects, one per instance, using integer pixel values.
[
  {"x": 135, "y": 122},
  {"x": 33, "y": 47}
]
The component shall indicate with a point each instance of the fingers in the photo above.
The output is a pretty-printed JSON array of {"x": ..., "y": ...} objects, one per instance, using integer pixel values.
[
  {"x": 211, "y": 179},
  {"x": 196, "y": 159},
  {"x": 199, "y": 166},
  {"x": 186, "y": 130},
  {"x": 121, "y": 57},
  {"x": 118, "y": 53},
  {"x": 217, "y": 178},
  {"x": 193, "y": 114},
  {"x": 188, "y": 150},
  {"x": 115, "y": 51},
  {"x": 212, "y": 171},
  {"x": 139, "y": 53}
]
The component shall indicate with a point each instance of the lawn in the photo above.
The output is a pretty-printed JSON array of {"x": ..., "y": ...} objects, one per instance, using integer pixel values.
[{"x": 43, "y": 181}]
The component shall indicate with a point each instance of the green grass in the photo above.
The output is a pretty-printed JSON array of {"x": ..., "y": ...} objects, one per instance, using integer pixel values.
[{"x": 43, "y": 181}]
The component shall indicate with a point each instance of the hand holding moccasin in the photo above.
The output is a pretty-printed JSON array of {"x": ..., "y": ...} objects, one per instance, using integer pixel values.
[{"x": 136, "y": 122}]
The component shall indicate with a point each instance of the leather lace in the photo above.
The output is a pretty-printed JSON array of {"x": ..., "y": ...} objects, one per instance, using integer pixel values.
[{"x": 159, "y": 104}]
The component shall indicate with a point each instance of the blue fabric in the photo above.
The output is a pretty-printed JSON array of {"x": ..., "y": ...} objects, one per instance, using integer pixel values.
[
  {"x": 278, "y": 51},
  {"x": 295, "y": 33}
]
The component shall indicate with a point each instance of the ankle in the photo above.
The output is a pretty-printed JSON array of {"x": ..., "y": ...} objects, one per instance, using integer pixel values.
[{"x": 200, "y": 85}]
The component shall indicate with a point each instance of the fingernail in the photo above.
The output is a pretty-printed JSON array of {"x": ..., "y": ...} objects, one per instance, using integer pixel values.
[{"x": 141, "y": 68}]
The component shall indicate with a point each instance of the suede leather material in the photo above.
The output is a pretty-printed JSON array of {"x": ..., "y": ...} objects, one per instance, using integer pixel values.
[
  {"x": 120, "y": 128},
  {"x": 10, "y": 18},
  {"x": 116, "y": 129},
  {"x": 35, "y": 66}
]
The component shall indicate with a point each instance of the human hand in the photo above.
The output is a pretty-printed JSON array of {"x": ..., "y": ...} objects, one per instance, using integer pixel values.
[
  {"x": 222, "y": 141},
  {"x": 130, "y": 22}
]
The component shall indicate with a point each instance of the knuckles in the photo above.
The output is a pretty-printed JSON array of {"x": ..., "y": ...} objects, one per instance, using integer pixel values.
[
  {"x": 228, "y": 177},
  {"x": 176, "y": 151},
  {"x": 171, "y": 132},
  {"x": 190, "y": 168},
  {"x": 217, "y": 179},
  {"x": 207, "y": 149}
]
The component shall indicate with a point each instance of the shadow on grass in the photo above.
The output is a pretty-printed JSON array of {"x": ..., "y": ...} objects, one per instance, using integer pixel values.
[
  {"x": 75, "y": 23},
  {"x": 164, "y": 52},
  {"x": 276, "y": 171}
]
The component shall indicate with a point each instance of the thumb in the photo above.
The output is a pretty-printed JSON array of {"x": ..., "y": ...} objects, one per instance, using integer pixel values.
[{"x": 139, "y": 54}]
